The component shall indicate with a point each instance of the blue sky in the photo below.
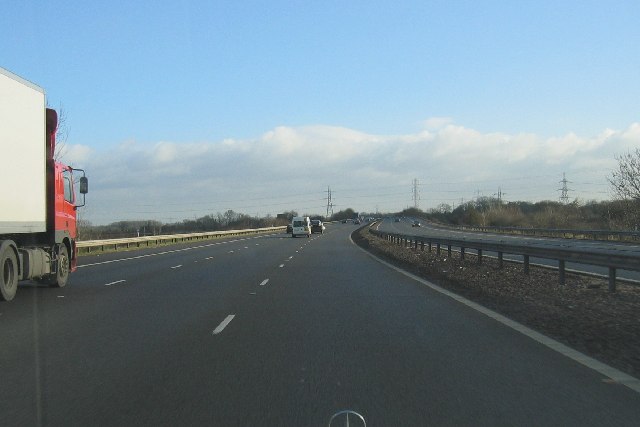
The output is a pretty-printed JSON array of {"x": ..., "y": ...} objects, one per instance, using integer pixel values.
[{"x": 150, "y": 88}]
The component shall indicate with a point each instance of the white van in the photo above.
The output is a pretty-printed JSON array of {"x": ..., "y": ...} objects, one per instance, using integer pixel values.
[{"x": 301, "y": 226}]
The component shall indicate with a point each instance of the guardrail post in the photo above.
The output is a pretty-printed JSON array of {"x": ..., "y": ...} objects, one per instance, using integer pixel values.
[
  {"x": 415, "y": 244},
  {"x": 561, "y": 277},
  {"x": 500, "y": 261},
  {"x": 438, "y": 248},
  {"x": 449, "y": 250},
  {"x": 526, "y": 264},
  {"x": 479, "y": 256},
  {"x": 429, "y": 246},
  {"x": 612, "y": 279},
  {"x": 462, "y": 253},
  {"x": 422, "y": 245}
]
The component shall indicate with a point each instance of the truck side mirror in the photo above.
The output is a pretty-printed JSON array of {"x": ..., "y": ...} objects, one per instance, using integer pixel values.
[{"x": 84, "y": 185}]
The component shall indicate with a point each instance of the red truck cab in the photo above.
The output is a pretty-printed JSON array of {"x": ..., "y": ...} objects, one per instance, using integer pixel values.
[{"x": 62, "y": 206}]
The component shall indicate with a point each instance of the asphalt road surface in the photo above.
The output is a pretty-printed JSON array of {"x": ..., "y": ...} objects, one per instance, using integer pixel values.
[
  {"x": 404, "y": 227},
  {"x": 277, "y": 331}
]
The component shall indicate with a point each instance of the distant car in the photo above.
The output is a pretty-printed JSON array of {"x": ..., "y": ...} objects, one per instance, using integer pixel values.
[
  {"x": 289, "y": 228},
  {"x": 317, "y": 226},
  {"x": 357, "y": 221},
  {"x": 416, "y": 224},
  {"x": 396, "y": 220},
  {"x": 301, "y": 226},
  {"x": 344, "y": 221}
]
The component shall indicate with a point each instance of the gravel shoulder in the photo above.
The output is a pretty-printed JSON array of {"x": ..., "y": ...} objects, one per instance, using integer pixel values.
[{"x": 582, "y": 314}]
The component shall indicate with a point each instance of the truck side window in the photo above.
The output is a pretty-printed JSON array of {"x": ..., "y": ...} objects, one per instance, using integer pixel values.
[{"x": 68, "y": 186}]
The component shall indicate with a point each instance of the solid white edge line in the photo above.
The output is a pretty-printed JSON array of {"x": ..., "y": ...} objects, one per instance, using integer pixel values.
[
  {"x": 113, "y": 283},
  {"x": 223, "y": 324},
  {"x": 604, "y": 369},
  {"x": 264, "y": 282}
]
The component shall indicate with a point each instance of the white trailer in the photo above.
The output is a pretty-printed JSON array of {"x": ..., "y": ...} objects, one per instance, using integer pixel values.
[{"x": 23, "y": 198}]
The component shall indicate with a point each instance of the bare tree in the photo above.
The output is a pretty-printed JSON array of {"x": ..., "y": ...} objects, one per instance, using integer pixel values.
[
  {"x": 62, "y": 133},
  {"x": 625, "y": 180}
]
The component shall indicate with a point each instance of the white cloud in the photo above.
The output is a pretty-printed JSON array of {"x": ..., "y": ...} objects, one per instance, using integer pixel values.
[
  {"x": 73, "y": 154},
  {"x": 164, "y": 152},
  {"x": 436, "y": 123},
  {"x": 291, "y": 167}
]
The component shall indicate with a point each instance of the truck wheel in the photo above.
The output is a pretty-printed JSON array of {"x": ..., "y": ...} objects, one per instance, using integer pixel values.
[
  {"x": 8, "y": 274},
  {"x": 62, "y": 276}
]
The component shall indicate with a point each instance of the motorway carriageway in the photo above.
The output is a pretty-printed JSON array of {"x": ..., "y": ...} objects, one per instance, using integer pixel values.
[{"x": 271, "y": 331}]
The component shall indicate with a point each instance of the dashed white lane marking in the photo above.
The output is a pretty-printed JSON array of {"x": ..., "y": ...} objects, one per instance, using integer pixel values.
[
  {"x": 209, "y": 257},
  {"x": 264, "y": 282},
  {"x": 246, "y": 247},
  {"x": 230, "y": 252},
  {"x": 60, "y": 296},
  {"x": 281, "y": 265},
  {"x": 223, "y": 324},
  {"x": 176, "y": 266},
  {"x": 163, "y": 253},
  {"x": 113, "y": 283}
]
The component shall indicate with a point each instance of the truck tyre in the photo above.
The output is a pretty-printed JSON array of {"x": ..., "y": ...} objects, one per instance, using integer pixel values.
[
  {"x": 62, "y": 275},
  {"x": 60, "y": 278},
  {"x": 8, "y": 273}
]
